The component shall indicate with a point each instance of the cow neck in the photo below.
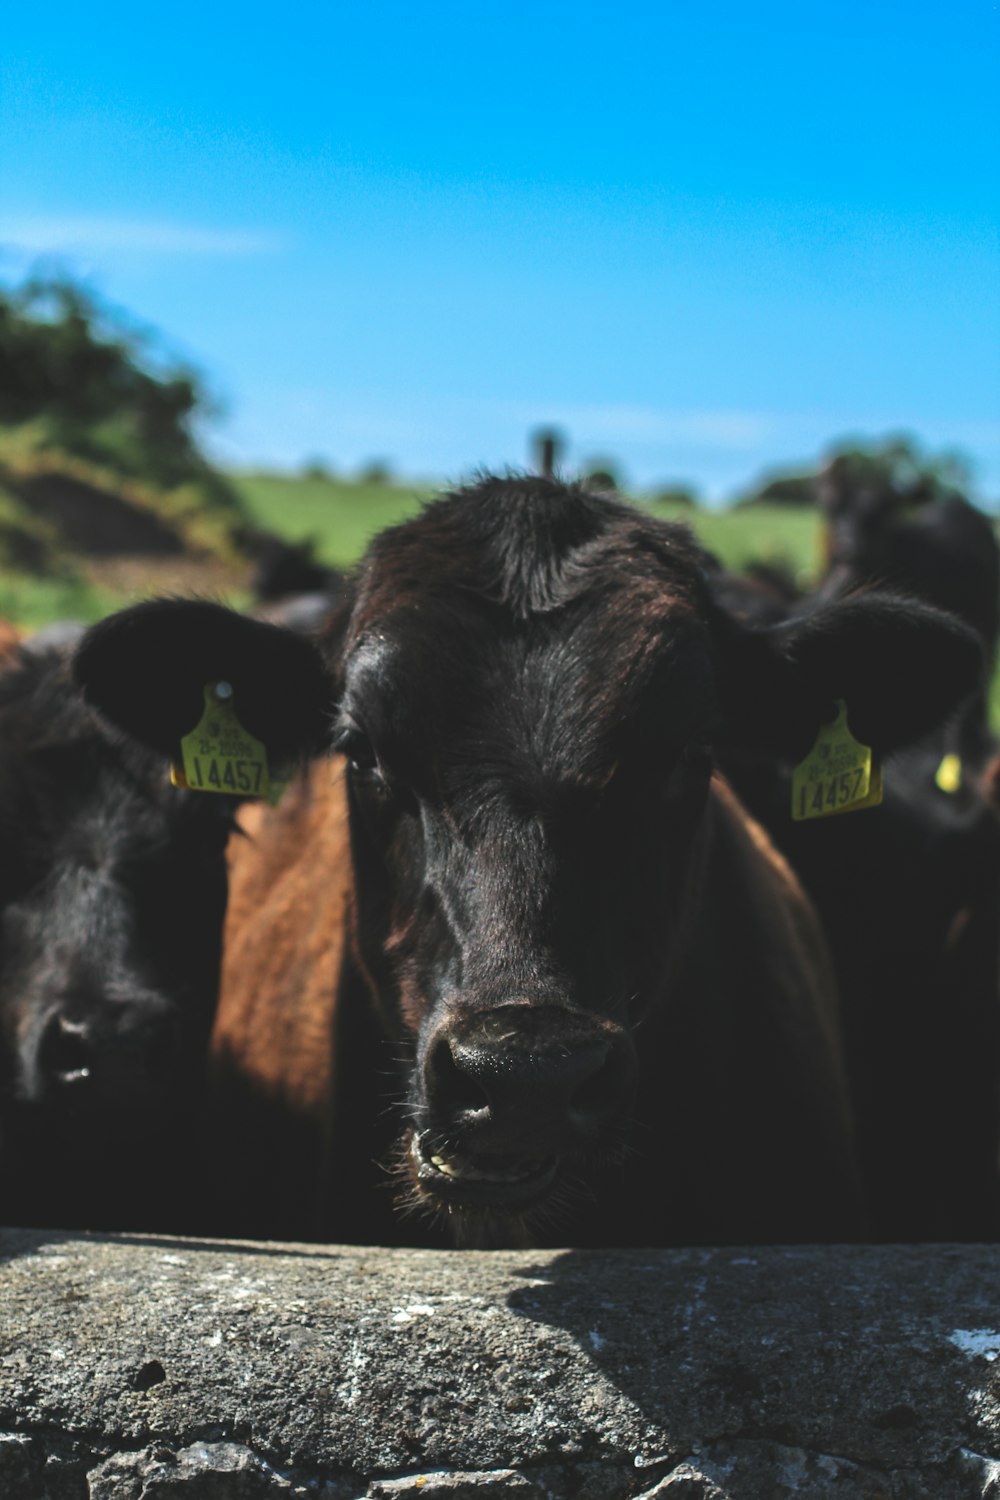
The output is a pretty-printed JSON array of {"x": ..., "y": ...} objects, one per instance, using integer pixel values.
[{"x": 687, "y": 926}]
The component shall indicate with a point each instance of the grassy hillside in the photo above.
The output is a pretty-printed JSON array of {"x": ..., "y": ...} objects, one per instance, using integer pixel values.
[{"x": 104, "y": 488}]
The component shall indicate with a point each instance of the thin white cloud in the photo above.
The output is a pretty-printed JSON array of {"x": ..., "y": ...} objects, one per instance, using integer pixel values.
[
  {"x": 448, "y": 435},
  {"x": 723, "y": 428},
  {"x": 44, "y": 236},
  {"x": 363, "y": 419}
]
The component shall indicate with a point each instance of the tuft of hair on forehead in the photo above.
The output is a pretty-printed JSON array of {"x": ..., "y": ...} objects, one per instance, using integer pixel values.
[{"x": 527, "y": 543}]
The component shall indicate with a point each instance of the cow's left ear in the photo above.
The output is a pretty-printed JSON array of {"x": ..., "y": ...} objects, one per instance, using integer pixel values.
[
  {"x": 901, "y": 667},
  {"x": 145, "y": 669}
]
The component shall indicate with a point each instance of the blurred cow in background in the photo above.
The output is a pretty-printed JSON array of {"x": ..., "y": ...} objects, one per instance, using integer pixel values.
[
  {"x": 909, "y": 896},
  {"x": 112, "y": 898},
  {"x": 919, "y": 538},
  {"x": 909, "y": 892}
]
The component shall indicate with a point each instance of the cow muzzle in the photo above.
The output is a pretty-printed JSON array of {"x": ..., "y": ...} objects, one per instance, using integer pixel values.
[
  {"x": 513, "y": 1093},
  {"x": 117, "y": 1057}
]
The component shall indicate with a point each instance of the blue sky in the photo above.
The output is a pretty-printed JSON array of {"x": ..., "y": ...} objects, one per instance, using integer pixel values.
[{"x": 704, "y": 240}]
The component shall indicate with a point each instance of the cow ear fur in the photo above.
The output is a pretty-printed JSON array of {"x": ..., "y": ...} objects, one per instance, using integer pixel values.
[
  {"x": 901, "y": 666},
  {"x": 145, "y": 670}
]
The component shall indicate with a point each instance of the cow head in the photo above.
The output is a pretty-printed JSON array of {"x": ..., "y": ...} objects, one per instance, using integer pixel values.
[
  {"x": 526, "y": 683},
  {"x": 112, "y": 893}
]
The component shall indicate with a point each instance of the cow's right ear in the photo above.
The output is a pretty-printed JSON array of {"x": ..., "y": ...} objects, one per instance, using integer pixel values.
[
  {"x": 145, "y": 670},
  {"x": 901, "y": 667}
]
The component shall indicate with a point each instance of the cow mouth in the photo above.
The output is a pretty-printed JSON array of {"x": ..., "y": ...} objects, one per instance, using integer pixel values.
[{"x": 490, "y": 1181}]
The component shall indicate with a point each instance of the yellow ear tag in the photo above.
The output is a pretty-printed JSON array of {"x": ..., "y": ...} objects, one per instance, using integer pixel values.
[
  {"x": 219, "y": 755},
  {"x": 948, "y": 775},
  {"x": 838, "y": 774}
]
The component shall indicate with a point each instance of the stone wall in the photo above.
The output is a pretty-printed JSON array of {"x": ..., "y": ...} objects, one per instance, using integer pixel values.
[{"x": 135, "y": 1367}]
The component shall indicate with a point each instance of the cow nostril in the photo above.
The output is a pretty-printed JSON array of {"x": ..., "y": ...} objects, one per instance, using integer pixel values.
[
  {"x": 66, "y": 1054},
  {"x": 455, "y": 1089}
]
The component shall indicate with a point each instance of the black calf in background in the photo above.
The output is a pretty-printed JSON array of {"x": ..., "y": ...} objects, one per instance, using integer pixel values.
[
  {"x": 909, "y": 892},
  {"x": 921, "y": 540},
  {"x": 909, "y": 895},
  {"x": 112, "y": 896}
]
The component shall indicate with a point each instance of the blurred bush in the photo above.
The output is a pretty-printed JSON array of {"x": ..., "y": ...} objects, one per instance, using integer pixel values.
[
  {"x": 602, "y": 474},
  {"x": 375, "y": 471},
  {"x": 680, "y": 495},
  {"x": 317, "y": 469},
  {"x": 898, "y": 463}
]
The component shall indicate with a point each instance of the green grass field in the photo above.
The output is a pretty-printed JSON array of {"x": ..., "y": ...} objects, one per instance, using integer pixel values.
[{"x": 340, "y": 517}]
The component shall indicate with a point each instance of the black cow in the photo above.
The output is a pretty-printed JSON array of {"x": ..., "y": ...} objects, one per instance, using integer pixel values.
[
  {"x": 283, "y": 569},
  {"x": 112, "y": 897},
  {"x": 909, "y": 893},
  {"x": 531, "y": 949},
  {"x": 909, "y": 897},
  {"x": 919, "y": 540}
]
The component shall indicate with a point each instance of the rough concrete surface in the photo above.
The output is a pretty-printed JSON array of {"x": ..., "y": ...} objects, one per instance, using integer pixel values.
[{"x": 134, "y": 1367}]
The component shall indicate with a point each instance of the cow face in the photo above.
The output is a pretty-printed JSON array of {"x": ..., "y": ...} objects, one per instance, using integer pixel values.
[
  {"x": 527, "y": 766},
  {"x": 112, "y": 891},
  {"x": 527, "y": 682}
]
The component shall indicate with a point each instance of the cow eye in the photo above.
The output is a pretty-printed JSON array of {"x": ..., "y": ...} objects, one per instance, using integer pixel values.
[
  {"x": 357, "y": 747},
  {"x": 366, "y": 769}
]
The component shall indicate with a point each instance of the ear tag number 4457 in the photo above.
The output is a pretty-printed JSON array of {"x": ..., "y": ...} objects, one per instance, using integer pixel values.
[
  {"x": 838, "y": 775},
  {"x": 219, "y": 755}
]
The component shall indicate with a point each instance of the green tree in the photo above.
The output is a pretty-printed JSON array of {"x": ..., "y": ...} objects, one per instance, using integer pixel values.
[
  {"x": 88, "y": 385},
  {"x": 900, "y": 466}
]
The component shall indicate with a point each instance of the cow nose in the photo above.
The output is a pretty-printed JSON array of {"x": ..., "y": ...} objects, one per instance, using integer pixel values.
[
  {"x": 66, "y": 1053},
  {"x": 117, "y": 1058},
  {"x": 528, "y": 1080}
]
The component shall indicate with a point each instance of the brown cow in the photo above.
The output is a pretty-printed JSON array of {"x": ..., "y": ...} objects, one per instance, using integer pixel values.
[{"x": 518, "y": 954}]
